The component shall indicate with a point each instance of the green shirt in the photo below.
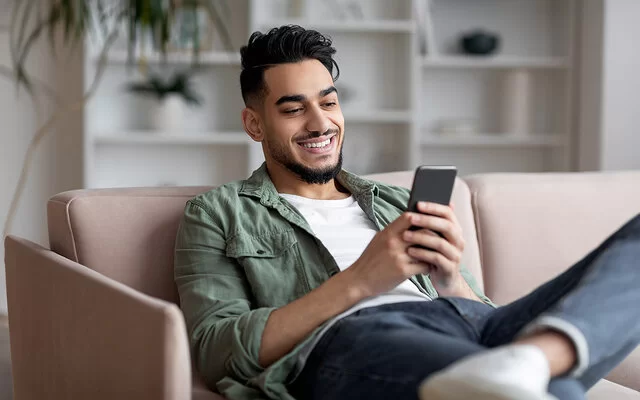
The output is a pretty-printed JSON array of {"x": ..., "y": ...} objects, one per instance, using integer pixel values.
[{"x": 241, "y": 252}]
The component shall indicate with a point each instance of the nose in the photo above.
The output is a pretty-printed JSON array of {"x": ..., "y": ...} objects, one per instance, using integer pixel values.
[{"x": 317, "y": 120}]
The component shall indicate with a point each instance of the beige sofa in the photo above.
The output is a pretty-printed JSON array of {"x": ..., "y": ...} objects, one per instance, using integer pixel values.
[{"x": 96, "y": 317}]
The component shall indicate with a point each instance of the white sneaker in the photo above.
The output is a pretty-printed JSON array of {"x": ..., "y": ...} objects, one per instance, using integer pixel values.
[{"x": 514, "y": 372}]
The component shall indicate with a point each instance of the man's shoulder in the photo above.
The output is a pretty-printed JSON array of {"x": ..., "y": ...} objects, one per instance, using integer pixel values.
[{"x": 221, "y": 199}]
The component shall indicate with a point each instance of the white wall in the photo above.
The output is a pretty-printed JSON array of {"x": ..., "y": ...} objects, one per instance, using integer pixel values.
[
  {"x": 58, "y": 161},
  {"x": 610, "y": 85}
]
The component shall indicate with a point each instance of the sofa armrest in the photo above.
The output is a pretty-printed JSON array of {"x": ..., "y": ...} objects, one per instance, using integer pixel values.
[{"x": 76, "y": 334}]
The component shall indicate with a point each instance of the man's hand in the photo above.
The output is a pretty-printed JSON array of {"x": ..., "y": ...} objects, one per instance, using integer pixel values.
[
  {"x": 441, "y": 254},
  {"x": 385, "y": 263}
]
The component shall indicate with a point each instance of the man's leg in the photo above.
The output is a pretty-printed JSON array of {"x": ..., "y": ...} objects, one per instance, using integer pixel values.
[
  {"x": 385, "y": 352},
  {"x": 591, "y": 304}
]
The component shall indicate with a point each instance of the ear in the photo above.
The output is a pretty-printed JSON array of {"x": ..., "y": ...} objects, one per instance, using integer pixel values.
[{"x": 252, "y": 124}]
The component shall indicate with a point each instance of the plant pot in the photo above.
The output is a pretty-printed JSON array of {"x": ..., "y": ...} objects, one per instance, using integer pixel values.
[{"x": 168, "y": 115}]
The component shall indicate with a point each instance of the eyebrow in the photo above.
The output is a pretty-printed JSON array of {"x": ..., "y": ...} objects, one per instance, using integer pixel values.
[{"x": 298, "y": 98}]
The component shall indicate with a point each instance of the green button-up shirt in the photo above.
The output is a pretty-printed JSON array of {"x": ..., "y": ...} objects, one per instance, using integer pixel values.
[{"x": 241, "y": 252}]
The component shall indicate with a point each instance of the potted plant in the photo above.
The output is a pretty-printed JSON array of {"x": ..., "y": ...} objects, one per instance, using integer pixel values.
[{"x": 172, "y": 95}]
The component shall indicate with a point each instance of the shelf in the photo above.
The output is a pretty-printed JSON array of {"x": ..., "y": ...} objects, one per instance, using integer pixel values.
[
  {"x": 151, "y": 137},
  {"x": 357, "y": 26},
  {"x": 381, "y": 116},
  {"x": 494, "y": 62},
  {"x": 493, "y": 140},
  {"x": 205, "y": 58}
]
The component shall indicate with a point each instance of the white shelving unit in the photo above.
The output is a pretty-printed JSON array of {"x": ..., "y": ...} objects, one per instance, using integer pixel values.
[{"x": 404, "y": 75}]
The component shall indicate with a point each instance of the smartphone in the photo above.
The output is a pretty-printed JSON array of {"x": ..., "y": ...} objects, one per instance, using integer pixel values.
[{"x": 432, "y": 183}]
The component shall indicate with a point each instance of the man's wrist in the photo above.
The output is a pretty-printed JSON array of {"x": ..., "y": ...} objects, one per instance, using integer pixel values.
[{"x": 351, "y": 286}]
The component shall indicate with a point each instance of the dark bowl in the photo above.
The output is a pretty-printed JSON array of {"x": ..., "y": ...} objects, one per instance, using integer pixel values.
[{"x": 480, "y": 43}]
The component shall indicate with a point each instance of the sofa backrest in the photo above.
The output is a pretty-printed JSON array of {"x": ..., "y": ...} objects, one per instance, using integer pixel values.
[
  {"x": 128, "y": 234},
  {"x": 531, "y": 227},
  {"x": 125, "y": 234}
]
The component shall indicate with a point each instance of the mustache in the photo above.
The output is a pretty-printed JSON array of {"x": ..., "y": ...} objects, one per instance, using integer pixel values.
[{"x": 316, "y": 134}]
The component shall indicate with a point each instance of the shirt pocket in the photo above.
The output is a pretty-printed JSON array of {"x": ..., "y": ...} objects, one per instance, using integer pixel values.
[{"x": 273, "y": 266}]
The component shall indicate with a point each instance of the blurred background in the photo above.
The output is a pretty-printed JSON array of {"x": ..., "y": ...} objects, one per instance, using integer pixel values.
[
  {"x": 123, "y": 93},
  {"x": 116, "y": 93}
]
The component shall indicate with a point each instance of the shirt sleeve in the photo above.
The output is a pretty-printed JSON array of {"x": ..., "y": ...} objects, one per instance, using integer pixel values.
[{"x": 224, "y": 331}]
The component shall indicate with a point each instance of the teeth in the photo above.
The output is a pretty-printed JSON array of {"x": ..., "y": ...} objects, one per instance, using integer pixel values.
[{"x": 319, "y": 144}]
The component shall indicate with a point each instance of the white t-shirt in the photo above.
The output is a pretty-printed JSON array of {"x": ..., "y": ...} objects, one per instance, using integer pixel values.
[{"x": 345, "y": 230}]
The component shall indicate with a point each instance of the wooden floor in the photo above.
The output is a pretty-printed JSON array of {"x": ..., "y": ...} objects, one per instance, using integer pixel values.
[{"x": 5, "y": 361}]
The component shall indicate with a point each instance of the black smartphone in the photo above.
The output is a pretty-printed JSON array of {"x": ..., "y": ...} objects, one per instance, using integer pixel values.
[{"x": 432, "y": 183}]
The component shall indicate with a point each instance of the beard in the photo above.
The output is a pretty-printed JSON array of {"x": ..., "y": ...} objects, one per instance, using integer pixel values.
[{"x": 313, "y": 176}]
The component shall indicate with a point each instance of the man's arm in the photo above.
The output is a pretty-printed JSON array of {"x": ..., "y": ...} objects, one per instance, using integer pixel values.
[{"x": 289, "y": 325}]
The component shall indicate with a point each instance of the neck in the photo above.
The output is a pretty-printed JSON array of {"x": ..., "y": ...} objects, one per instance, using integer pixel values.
[{"x": 287, "y": 182}]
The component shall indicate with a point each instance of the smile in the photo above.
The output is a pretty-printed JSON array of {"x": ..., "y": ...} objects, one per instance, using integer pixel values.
[{"x": 319, "y": 144}]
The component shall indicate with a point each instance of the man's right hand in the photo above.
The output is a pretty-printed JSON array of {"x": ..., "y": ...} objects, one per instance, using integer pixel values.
[{"x": 384, "y": 264}]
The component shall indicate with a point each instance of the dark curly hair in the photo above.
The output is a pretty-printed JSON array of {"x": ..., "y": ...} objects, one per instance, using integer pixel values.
[{"x": 282, "y": 45}]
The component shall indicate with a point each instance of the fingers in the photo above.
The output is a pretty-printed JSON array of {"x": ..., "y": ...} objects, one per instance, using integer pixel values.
[
  {"x": 436, "y": 224},
  {"x": 446, "y": 212},
  {"x": 440, "y": 219},
  {"x": 435, "y": 259},
  {"x": 436, "y": 209},
  {"x": 434, "y": 243},
  {"x": 401, "y": 224}
]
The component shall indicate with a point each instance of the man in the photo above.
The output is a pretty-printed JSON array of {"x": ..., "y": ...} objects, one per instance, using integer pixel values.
[{"x": 304, "y": 281}]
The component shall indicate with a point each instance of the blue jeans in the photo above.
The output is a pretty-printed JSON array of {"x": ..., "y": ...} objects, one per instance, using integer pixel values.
[{"x": 385, "y": 352}]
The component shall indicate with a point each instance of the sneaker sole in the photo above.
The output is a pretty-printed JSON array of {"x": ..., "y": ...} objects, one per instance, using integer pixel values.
[{"x": 445, "y": 388}]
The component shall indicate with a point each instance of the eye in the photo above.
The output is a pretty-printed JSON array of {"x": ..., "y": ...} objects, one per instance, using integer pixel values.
[
  {"x": 293, "y": 111},
  {"x": 330, "y": 104}
]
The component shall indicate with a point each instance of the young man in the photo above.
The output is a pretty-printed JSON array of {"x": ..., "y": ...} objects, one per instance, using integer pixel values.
[{"x": 304, "y": 281}]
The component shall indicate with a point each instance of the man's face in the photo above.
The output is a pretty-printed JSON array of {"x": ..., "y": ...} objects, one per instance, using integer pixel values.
[{"x": 302, "y": 120}]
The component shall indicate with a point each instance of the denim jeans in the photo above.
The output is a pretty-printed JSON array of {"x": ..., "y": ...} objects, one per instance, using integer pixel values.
[{"x": 385, "y": 352}]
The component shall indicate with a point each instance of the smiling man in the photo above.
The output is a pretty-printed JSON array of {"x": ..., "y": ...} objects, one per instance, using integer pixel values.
[{"x": 304, "y": 281}]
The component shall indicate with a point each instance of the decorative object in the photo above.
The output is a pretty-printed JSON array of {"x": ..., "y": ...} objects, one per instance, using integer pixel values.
[
  {"x": 457, "y": 126},
  {"x": 172, "y": 95},
  {"x": 480, "y": 42},
  {"x": 516, "y": 107}
]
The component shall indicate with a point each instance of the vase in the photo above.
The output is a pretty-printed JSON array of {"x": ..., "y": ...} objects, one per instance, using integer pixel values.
[
  {"x": 168, "y": 115},
  {"x": 516, "y": 110}
]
